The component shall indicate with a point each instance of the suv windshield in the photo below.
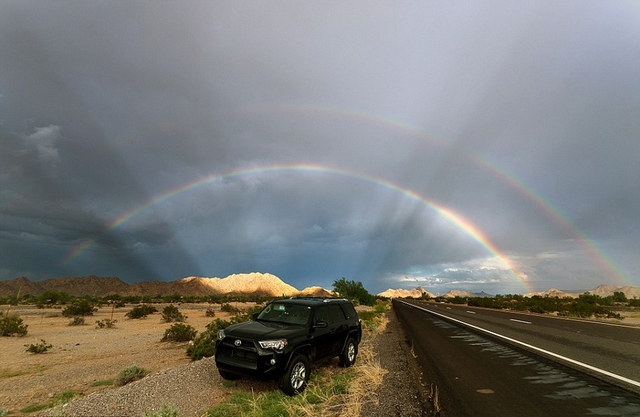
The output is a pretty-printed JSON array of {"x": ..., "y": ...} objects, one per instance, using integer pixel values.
[{"x": 285, "y": 313}]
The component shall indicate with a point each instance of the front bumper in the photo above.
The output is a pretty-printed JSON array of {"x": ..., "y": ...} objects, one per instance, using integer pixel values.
[{"x": 247, "y": 359}]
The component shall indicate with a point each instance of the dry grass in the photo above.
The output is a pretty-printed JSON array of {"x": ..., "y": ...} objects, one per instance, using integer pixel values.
[{"x": 369, "y": 374}]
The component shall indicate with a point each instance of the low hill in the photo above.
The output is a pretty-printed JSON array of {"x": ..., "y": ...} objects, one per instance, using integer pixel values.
[{"x": 236, "y": 284}]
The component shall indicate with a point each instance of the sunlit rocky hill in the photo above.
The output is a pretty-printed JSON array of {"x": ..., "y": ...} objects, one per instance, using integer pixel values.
[{"x": 236, "y": 284}]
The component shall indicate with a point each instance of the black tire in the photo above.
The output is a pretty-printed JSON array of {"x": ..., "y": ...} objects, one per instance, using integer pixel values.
[
  {"x": 229, "y": 376},
  {"x": 295, "y": 379},
  {"x": 348, "y": 355}
]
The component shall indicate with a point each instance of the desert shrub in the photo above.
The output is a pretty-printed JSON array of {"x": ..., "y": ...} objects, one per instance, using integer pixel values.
[
  {"x": 105, "y": 323},
  {"x": 79, "y": 308},
  {"x": 179, "y": 332},
  {"x": 228, "y": 308},
  {"x": 171, "y": 313},
  {"x": 58, "y": 399},
  {"x": 77, "y": 321},
  {"x": 167, "y": 410},
  {"x": 129, "y": 374},
  {"x": 141, "y": 311},
  {"x": 210, "y": 313},
  {"x": 204, "y": 345},
  {"x": 12, "y": 325},
  {"x": 41, "y": 347},
  {"x": 3, "y": 412}
]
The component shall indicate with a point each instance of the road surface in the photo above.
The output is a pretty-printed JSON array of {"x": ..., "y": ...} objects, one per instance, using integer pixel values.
[{"x": 493, "y": 363}]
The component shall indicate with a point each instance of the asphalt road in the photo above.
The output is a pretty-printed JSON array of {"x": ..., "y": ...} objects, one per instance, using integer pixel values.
[{"x": 492, "y": 363}]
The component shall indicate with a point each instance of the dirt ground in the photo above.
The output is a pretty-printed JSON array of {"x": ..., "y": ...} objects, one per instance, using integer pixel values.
[{"x": 84, "y": 355}]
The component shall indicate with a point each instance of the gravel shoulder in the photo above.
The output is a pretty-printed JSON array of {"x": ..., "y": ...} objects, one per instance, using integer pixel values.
[{"x": 403, "y": 391}]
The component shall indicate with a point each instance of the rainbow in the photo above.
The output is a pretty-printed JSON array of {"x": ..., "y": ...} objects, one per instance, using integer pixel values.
[
  {"x": 453, "y": 218},
  {"x": 604, "y": 262}
]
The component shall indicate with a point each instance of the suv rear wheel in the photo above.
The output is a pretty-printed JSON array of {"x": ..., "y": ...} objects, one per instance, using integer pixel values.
[
  {"x": 348, "y": 355},
  {"x": 294, "y": 381}
]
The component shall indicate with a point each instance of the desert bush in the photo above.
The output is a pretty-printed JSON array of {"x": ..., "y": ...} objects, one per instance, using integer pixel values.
[
  {"x": 77, "y": 321},
  {"x": 3, "y": 412},
  {"x": 12, "y": 325},
  {"x": 41, "y": 347},
  {"x": 79, "y": 308},
  {"x": 129, "y": 374},
  {"x": 204, "y": 345},
  {"x": 167, "y": 410},
  {"x": 210, "y": 313},
  {"x": 141, "y": 311},
  {"x": 228, "y": 308},
  {"x": 171, "y": 313},
  {"x": 179, "y": 332},
  {"x": 106, "y": 323}
]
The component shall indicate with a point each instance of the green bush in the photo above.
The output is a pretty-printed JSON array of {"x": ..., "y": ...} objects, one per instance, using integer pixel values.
[
  {"x": 171, "y": 313},
  {"x": 12, "y": 325},
  {"x": 129, "y": 374},
  {"x": 179, "y": 332},
  {"x": 41, "y": 347},
  {"x": 167, "y": 410},
  {"x": 141, "y": 311},
  {"x": 354, "y": 291},
  {"x": 228, "y": 308},
  {"x": 79, "y": 308},
  {"x": 204, "y": 345},
  {"x": 106, "y": 323}
]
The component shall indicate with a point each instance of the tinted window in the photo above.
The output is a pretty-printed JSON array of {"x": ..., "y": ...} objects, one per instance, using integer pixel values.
[
  {"x": 285, "y": 313},
  {"x": 336, "y": 314},
  {"x": 349, "y": 311},
  {"x": 322, "y": 314}
]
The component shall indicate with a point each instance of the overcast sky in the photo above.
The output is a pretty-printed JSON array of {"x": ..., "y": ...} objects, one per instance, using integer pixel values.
[{"x": 477, "y": 145}]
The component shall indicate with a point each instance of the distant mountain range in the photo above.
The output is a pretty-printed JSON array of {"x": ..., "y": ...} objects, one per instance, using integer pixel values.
[
  {"x": 236, "y": 284},
  {"x": 601, "y": 290}
]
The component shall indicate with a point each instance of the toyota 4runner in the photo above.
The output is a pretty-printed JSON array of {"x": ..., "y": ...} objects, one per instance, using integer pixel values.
[{"x": 286, "y": 337}]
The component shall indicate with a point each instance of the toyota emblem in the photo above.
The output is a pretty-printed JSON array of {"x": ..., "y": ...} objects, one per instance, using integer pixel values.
[{"x": 238, "y": 342}]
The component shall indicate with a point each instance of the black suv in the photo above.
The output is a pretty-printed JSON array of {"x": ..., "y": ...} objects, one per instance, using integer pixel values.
[{"x": 283, "y": 339}]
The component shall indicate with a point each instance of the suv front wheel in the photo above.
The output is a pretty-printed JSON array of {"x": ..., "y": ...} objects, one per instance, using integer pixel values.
[{"x": 294, "y": 381}]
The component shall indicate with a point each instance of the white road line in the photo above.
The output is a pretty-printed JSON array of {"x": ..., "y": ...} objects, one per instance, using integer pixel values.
[
  {"x": 555, "y": 355},
  {"x": 521, "y": 321},
  {"x": 471, "y": 312}
]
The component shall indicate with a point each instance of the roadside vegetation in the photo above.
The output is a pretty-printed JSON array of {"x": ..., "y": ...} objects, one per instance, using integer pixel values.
[
  {"x": 586, "y": 305},
  {"x": 332, "y": 390}
]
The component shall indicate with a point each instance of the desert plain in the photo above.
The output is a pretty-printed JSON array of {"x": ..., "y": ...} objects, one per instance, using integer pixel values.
[{"x": 84, "y": 358}]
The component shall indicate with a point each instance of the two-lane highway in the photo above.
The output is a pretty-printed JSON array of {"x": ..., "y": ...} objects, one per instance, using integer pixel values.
[{"x": 482, "y": 362}]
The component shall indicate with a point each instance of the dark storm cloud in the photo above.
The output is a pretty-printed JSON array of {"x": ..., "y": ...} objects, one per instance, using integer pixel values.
[{"x": 521, "y": 119}]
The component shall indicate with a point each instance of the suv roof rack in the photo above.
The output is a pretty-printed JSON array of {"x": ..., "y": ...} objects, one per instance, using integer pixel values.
[{"x": 323, "y": 299}]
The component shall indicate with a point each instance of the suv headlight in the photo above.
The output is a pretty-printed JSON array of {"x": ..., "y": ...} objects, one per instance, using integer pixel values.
[
  {"x": 277, "y": 345},
  {"x": 221, "y": 334}
]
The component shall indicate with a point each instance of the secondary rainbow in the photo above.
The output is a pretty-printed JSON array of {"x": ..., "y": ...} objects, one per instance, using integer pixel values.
[{"x": 554, "y": 213}]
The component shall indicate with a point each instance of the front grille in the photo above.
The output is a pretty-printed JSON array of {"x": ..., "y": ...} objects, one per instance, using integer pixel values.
[{"x": 239, "y": 354}]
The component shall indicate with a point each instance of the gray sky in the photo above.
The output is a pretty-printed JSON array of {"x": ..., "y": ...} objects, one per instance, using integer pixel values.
[{"x": 479, "y": 145}]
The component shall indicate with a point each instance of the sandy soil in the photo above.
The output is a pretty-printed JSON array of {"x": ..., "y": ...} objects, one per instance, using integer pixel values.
[{"x": 83, "y": 355}]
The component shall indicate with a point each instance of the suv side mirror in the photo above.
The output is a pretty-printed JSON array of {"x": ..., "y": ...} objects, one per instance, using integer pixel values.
[
  {"x": 254, "y": 316},
  {"x": 321, "y": 324}
]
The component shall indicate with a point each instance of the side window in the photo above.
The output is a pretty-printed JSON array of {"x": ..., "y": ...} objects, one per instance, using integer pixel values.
[
  {"x": 336, "y": 314},
  {"x": 322, "y": 314},
  {"x": 349, "y": 311}
]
